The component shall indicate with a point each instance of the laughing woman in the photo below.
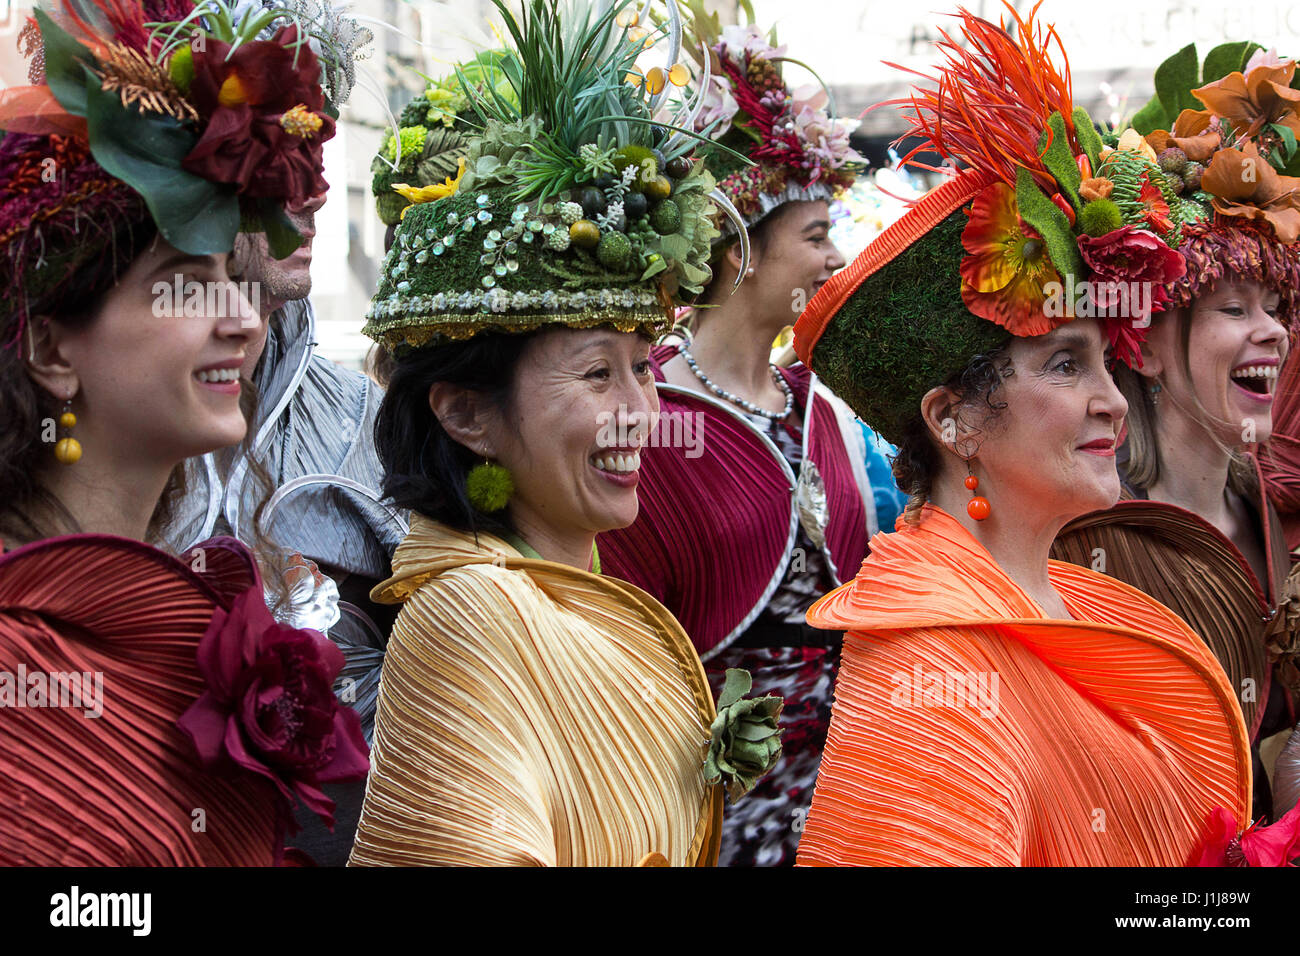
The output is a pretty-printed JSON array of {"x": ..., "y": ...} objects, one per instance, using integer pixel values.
[
  {"x": 1197, "y": 532},
  {"x": 532, "y": 711},
  {"x": 124, "y": 672},
  {"x": 994, "y": 707}
]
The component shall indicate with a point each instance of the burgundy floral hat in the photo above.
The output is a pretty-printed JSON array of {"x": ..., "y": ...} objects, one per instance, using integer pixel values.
[{"x": 206, "y": 120}]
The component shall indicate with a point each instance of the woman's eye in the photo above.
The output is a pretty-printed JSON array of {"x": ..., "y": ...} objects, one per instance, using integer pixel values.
[
  {"x": 598, "y": 373},
  {"x": 1066, "y": 366},
  {"x": 642, "y": 368},
  {"x": 1233, "y": 310}
]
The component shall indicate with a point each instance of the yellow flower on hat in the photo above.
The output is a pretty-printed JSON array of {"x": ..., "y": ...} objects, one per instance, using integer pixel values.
[{"x": 419, "y": 194}]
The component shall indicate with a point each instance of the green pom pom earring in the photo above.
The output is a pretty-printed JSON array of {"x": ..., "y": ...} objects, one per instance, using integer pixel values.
[{"x": 489, "y": 486}]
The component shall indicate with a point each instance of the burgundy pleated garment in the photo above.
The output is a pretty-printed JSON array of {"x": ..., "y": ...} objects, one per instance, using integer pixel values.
[
  {"x": 713, "y": 537},
  {"x": 123, "y": 788}
]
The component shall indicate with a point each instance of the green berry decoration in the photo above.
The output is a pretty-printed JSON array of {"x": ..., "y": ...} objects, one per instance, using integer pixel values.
[
  {"x": 585, "y": 234},
  {"x": 614, "y": 251},
  {"x": 678, "y": 167},
  {"x": 640, "y": 157},
  {"x": 657, "y": 189},
  {"x": 666, "y": 218},
  {"x": 489, "y": 487},
  {"x": 1100, "y": 217}
]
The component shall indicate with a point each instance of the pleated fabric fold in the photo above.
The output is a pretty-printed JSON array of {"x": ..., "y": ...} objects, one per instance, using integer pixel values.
[
  {"x": 532, "y": 714},
  {"x": 969, "y": 729},
  {"x": 123, "y": 788}
]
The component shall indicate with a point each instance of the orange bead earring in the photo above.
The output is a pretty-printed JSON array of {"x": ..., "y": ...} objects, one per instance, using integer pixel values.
[{"x": 978, "y": 507}]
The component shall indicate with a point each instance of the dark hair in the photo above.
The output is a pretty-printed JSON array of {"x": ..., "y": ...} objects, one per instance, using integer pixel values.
[
  {"x": 917, "y": 461},
  {"x": 424, "y": 467},
  {"x": 26, "y": 507}
]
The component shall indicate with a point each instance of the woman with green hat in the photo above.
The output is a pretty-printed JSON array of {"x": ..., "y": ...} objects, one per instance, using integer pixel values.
[{"x": 532, "y": 711}]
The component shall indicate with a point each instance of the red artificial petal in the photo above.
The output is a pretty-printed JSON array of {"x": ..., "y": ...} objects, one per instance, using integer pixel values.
[
  {"x": 1219, "y": 831},
  {"x": 1274, "y": 845}
]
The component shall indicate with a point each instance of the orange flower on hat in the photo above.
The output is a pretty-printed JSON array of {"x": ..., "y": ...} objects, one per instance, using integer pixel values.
[
  {"x": 1254, "y": 100},
  {"x": 1007, "y": 265},
  {"x": 1192, "y": 134},
  {"x": 1243, "y": 184}
]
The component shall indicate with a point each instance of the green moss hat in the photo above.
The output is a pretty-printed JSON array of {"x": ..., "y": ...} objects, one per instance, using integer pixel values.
[
  {"x": 1045, "y": 224},
  {"x": 570, "y": 203}
]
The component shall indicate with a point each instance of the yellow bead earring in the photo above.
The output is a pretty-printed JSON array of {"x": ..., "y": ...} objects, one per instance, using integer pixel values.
[{"x": 68, "y": 450}]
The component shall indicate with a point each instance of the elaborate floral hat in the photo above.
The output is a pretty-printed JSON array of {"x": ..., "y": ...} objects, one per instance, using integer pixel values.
[
  {"x": 537, "y": 186},
  {"x": 797, "y": 151},
  {"x": 205, "y": 119},
  {"x": 1044, "y": 224},
  {"x": 1224, "y": 133}
]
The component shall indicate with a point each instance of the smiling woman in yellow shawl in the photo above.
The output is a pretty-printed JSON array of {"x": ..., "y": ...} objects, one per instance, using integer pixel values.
[{"x": 532, "y": 711}]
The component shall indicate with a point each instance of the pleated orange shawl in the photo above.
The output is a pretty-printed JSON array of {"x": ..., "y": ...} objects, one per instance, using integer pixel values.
[{"x": 970, "y": 729}]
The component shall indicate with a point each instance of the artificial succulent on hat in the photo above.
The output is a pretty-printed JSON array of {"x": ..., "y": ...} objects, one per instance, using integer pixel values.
[{"x": 560, "y": 188}]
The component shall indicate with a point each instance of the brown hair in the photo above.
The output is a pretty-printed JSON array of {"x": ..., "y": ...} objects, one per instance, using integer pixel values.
[{"x": 917, "y": 462}]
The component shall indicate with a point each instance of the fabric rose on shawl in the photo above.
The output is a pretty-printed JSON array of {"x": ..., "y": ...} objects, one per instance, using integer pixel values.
[
  {"x": 264, "y": 132},
  {"x": 1244, "y": 185},
  {"x": 1007, "y": 266},
  {"x": 744, "y": 739},
  {"x": 1119, "y": 260},
  {"x": 270, "y": 706},
  {"x": 1275, "y": 845}
]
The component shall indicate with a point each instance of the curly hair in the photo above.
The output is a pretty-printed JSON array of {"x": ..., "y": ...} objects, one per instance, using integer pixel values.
[{"x": 917, "y": 462}]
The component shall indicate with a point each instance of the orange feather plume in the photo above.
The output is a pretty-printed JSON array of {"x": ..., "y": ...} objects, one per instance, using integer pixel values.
[{"x": 992, "y": 98}]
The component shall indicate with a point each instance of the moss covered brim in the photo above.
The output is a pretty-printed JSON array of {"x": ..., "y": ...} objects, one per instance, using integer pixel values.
[
  {"x": 476, "y": 262},
  {"x": 892, "y": 325}
]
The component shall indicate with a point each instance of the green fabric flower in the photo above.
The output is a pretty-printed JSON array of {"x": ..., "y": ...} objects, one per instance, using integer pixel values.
[{"x": 744, "y": 739}]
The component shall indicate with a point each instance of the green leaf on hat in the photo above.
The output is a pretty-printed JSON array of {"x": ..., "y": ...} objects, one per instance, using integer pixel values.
[
  {"x": 66, "y": 71},
  {"x": 1150, "y": 118},
  {"x": 1226, "y": 58},
  {"x": 1175, "y": 80},
  {"x": 1059, "y": 160},
  {"x": 145, "y": 152},
  {"x": 1046, "y": 217},
  {"x": 1087, "y": 136}
]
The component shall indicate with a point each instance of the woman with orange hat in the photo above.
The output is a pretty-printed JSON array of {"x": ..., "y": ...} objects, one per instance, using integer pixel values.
[{"x": 993, "y": 706}]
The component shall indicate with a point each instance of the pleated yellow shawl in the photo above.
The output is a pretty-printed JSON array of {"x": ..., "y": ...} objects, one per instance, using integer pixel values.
[
  {"x": 531, "y": 713},
  {"x": 1110, "y": 740}
]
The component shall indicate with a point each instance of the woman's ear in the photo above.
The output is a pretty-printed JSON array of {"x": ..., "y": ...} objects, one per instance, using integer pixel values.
[
  {"x": 735, "y": 257},
  {"x": 939, "y": 407},
  {"x": 466, "y": 415},
  {"x": 45, "y": 360}
]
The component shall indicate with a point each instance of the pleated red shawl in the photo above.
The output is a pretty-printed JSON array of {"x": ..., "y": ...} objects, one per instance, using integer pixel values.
[{"x": 123, "y": 788}]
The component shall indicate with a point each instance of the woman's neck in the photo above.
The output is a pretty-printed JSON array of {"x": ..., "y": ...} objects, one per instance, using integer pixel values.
[
  {"x": 1020, "y": 543},
  {"x": 106, "y": 497},
  {"x": 574, "y": 550},
  {"x": 1194, "y": 469},
  {"x": 734, "y": 350}
]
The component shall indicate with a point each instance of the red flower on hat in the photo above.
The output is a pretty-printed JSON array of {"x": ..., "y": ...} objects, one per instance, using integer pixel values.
[
  {"x": 261, "y": 104},
  {"x": 270, "y": 706},
  {"x": 1122, "y": 261},
  {"x": 1275, "y": 845}
]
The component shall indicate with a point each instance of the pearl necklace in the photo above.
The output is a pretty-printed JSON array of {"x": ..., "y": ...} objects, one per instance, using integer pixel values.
[{"x": 736, "y": 399}]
